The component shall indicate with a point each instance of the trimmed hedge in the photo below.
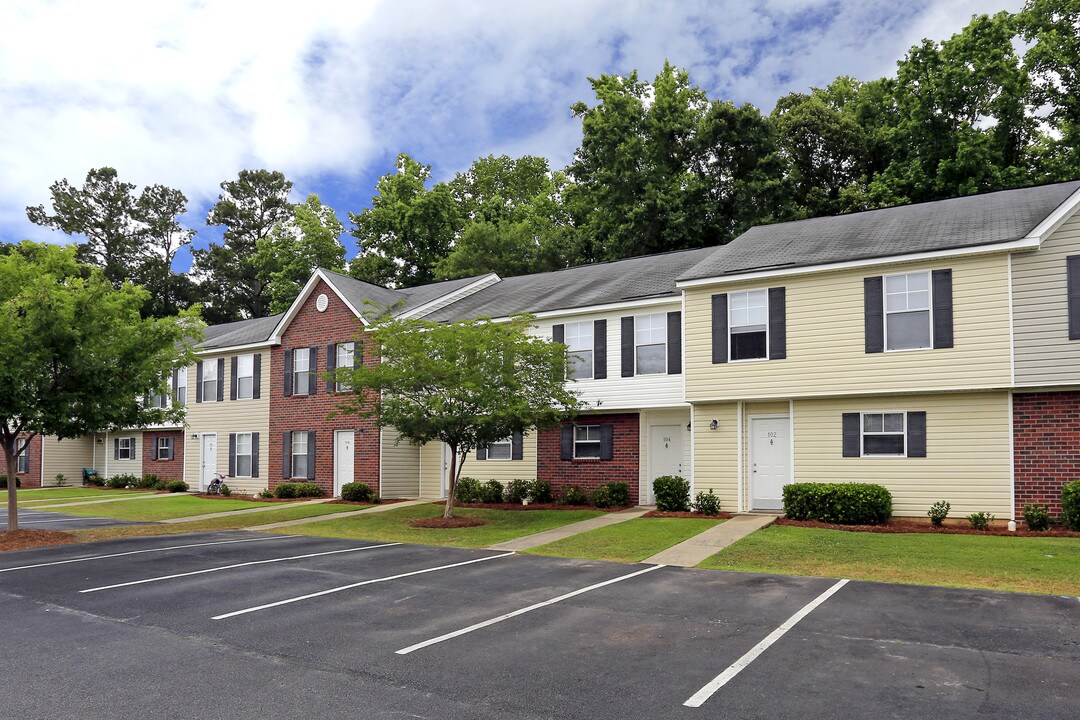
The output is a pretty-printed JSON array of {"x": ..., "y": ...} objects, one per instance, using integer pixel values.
[
  {"x": 1070, "y": 505},
  {"x": 175, "y": 486},
  {"x": 297, "y": 490},
  {"x": 574, "y": 495},
  {"x": 358, "y": 492},
  {"x": 540, "y": 491},
  {"x": 672, "y": 493},
  {"x": 491, "y": 492},
  {"x": 840, "y": 503},
  {"x": 516, "y": 491},
  {"x": 467, "y": 489},
  {"x": 612, "y": 494},
  {"x": 3, "y": 482}
]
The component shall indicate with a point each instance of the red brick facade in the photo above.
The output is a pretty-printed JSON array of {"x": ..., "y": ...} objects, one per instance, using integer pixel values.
[
  {"x": 32, "y": 478},
  {"x": 165, "y": 469},
  {"x": 588, "y": 473},
  {"x": 1046, "y": 455},
  {"x": 310, "y": 328}
]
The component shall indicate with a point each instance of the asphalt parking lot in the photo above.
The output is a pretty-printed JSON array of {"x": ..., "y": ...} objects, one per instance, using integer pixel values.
[
  {"x": 45, "y": 520},
  {"x": 239, "y": 624}
]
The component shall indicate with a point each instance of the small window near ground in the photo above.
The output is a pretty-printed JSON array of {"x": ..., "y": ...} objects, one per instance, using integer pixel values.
[
  {"x": 243, "y": 454},
  {"x": 126, "y": 449},
  {"x": 883, "y": 434},
  {"x": 587, "y": 441},
  {"x": 344, "y": 359},
  {"x": 650, "y": 344},
  {"x": 749, "y": 325},
  {"x": 301, "y": 366},
  {"x": 245, "y": 377},
  {"x": 907, "y": 311},
  {"x": 502, "y": 450},
  {"x": 299, "y": 454}
]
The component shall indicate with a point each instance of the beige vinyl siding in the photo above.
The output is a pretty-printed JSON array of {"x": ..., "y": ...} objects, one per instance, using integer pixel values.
[
  {"x": 1044, "y": 354},
  {"x": 825, "y": 338},
  {"x": 229, "y": 416},
  {"x": 505, "y": 470},
  {"x": 123, "y": 467},
  {"x": 400, "y": 469},
  {"x": 716, "y": 455},
  {"x": 967, "y": 458},
  {"x": 68, "y": 457}
]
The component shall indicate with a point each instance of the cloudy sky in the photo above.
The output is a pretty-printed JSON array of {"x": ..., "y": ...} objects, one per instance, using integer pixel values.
[{"x": 188, "y": 92}]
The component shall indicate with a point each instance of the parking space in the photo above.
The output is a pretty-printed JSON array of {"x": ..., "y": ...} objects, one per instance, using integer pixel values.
[
  {"x": 30, "y": 519},
  {"x": 381, "y": 629}
]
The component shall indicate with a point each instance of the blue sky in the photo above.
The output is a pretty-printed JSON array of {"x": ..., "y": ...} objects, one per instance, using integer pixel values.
[{"x": 187, "y": 93}]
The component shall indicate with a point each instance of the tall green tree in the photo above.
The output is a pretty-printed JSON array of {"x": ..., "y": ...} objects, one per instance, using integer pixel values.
[
  {"x": 1053, "y": 61},
  {"x": 407, "y": 230},
  {"x": 465, "y": 384},
  {"x": 78, "y": 355},
  {"x": 248, "y": 208},
  {"x": 285, "y": 259},
  {"x": 158, "y": 210}
]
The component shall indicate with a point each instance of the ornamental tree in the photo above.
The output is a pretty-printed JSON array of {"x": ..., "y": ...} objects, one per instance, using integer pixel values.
[
  {"x": 467, "y": 384},
  {"x": 77, "y": 355}
]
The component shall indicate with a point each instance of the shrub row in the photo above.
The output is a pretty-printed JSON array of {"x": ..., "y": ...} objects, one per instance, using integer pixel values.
[
  {"x": 297, "y": 490},
  {"x": 3, "y": 482},
  {"x": 139, "y": 482},
  {"x": 359, "y": 492},
  {"x": 840, "y": 503},
  {"x": 471, "y": 490},
  {"x": 1036, "y": 517}
]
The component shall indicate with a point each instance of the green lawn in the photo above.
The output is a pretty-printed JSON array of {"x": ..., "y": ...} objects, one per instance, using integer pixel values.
[
  {"x": 631, "y": 541},
  {"x": 1022, "y": 564},
  {"x": 41, "y": 495},
  {"x": 161, "y": 508},
  {"x": 393, "y": 525}
]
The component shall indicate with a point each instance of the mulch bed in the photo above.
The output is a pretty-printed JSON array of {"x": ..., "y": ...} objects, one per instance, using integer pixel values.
[
  {"x": 386, "y": 501},
  {"x": 447, "y": 523},
  {"x": 26, "y": 539},
  {"x": 685, "y": 514},
  {"x": 248, "y": 498},
  {"x": 907, "y": 526},
  {"x": 533, "y": 506}
]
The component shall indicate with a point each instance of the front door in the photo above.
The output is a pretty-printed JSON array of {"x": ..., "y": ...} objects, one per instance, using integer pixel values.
[
  {"x": 208, "y": 459},
  {"x": 445, "y": 478},
  {"x": 770, "y": 462},
  {"x": 665, "y": 455},
  {"x": 343, "y": 458}
]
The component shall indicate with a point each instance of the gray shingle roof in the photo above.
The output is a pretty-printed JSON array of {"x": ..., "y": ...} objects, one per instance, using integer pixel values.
[
  {"x": 241, "y": 332},
  {"x": 361, "y": 293},
  {"x": 597, "y": 284},
  {"x": 940, "y": 225}
]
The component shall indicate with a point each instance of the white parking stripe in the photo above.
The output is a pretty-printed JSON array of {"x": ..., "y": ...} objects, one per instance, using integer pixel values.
[
  {"x": 698, "y": 698},
  {"x": 236, "y": 565},
  {"x": 522, "y": 611},
  {"x": 150, "y": 550},
  {"x": 356, "y": 585}
]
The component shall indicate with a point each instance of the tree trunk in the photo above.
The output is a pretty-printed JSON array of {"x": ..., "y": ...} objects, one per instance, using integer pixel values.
[
  {"x": 12, "y": 496},
  {"x": 451, "y": 484}
]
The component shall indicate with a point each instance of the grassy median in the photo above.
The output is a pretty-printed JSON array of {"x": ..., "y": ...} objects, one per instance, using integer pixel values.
[
  {"x": 162, "y": 508},
  {"x": 631, "y": 541}
]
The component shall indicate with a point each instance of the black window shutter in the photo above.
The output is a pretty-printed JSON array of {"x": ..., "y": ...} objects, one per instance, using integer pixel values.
[
  {"x": 558, "y": 333},
  {"x": 607, "y": 442},
  {"x": 313, "y": 365},
  {"x": 256, "y": 376},
  {"x": 916, "y": 434},
  {"x": 481, "y": 452},
  {"x": 941, "y": 282},
  {"x": 719, "y": 329},
  {"x": 874, "y": 314},
  {"x": 311, "y": 455},
  {"x": 852, "y": 434},
  {"x": 254, "y": 455},
  {"x": 286, "y": 455},
  {"x": 232, "y": 377},
  {"x": 777, "y": 323},
  {"x": 674, "y": 343},
  {"x": 628, "y": 346},
  {"x": 116, "y": 448},
  {"x": 288, "y": 373},
  {"x": 198, "y": 382},
  {"x": 599, "y": 355},
  {"x": 1072, "y": 282},
  {"x": 331, "y": 364},
  {"x": 517, "y": 446},
  {"x": 566, "y": 443},
  {"x": 154, "y": 448},
  {"x": 220, "y": 379},
  {"x": 232, "y": 454}
]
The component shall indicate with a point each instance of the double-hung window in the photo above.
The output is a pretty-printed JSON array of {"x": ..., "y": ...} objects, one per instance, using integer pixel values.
[
  {"x": 160, "y": 399},
  {"x": 907, "y": 311},
  {"x": 209, "y": 381},
  {"x": 125, "y": 449},
  {"x": 245, "y": 377},
  {"x": 586, "y": 441},
  {"x": 579, "y": 343},
  {"x": 884, "y": 434},
  {"x": 301, "y": 367},
  {"x": 343, "y": 359},
  {"x": 300, "y": 453},
  {"x": 22, "y": 461},
  {"x": 181, "y": 387},
  {"x": 748, "y": 323},
  {"x": 501, "y": 450},
  {"x": 164, "y": 448},
  {"x": 650, "y": 344},
  {"x": 243, "y": 455}
]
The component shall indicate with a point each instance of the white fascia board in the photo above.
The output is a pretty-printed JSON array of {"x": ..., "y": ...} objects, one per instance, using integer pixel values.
[
  {"x": 1025, "y": 243},
  {"x": 1054, "y": 220},
  {"x": 237, "y": 348},
  {"x": 623, "y": 305},
  {"x": 309, "y": 287},
  {"x": 452, "y": 297}
]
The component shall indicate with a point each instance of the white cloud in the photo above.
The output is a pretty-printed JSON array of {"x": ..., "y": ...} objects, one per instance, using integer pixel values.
[{"x": 188, "y": 93}]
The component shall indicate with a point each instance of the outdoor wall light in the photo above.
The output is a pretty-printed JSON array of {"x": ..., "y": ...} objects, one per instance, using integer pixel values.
[
  {"x": 714, "y": 424},
  {"x": 194, "y": 436},
  {"x": 687, "y": 427}
]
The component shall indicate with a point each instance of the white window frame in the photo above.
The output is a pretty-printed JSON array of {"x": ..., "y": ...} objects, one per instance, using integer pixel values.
[
  {"x": 929, "y": 309},
  {"x": 863, "y": 433},
  {"x": 181, "y": 384},
  {"x": 125, "y": 446},
  {"x": 598, "y": 442},
  {"x": 507, "y": 443},
  {"x": 164, "y": 443},
  {"x": 299, "y": 353},
  {"x": 579, "y": 330},
  {"x": 344, "y": 351},
  {"x": 293, "y": 454},
  {"x": 249, "y": 455},
  {"x": 731, "y": 325},
  {"x": 240, "y": 375},
  {"x": 651, "y": 317},
  {"x": 160, "y": 400},
  {"x": 209, "y": 367}
]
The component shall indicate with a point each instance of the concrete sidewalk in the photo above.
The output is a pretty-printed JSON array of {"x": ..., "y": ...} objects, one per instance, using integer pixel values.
[
  {"x": 338, "y": 516},
  {"x": 690, "y": 552},
  {"x": 543, "y": 538},
  {"x": 234, "y": 513}
]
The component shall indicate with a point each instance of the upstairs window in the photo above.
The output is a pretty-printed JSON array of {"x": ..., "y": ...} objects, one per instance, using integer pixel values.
[
  {"x": 883, "y": 434},
  {"x": 748, "y": 324},
  {"x": 579, "y": 343},
  {"x": 209, "y": 381},
  {"x": 245, "y": 377},
  {"x": 907, "y": 311},
  {"x": 301, "y": 368},
  {"x": 159, "y": 401},
  {"x": 650, "y": 345},
  {"x": 181, "y": 387},
  {"x": 343, "y": 359}
]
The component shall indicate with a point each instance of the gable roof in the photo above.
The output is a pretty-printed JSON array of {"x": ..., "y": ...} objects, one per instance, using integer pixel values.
[
  {"x": 241, "y": 332},
  {"x": 963, "y": 222},
  {"x": 360, "y": 293},
  {"x": 639, "y": 278}
]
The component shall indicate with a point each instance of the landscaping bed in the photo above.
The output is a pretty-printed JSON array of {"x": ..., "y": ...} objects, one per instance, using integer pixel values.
[
  {"x": 686, "y": 514},
  {"x": 384, "y": 501},
  {"x": 26, "y": 539},
  {"x": 533, "y": 506},
  {"x": 911, "y": 526}
]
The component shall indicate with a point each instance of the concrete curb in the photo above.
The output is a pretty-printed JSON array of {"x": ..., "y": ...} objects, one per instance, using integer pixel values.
[
  {"x": 548, "y": 536},
  {"x": 234, "y": 513},
  {"x": 336, "y": 516},
  {"x": 691, "y": 552}
]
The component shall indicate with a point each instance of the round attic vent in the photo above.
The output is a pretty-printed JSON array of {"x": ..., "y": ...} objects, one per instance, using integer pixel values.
[{"x": 321, "y": 302}]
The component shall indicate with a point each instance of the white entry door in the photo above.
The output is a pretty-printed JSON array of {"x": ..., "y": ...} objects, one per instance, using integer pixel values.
[
  {"x": 665, "y": 455},
  {"x": 208, "y": 459},
  {"x": 445, "y": 477},
  {"x": 770, "y": 462},
  {"x": 343, "y": 458}
]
